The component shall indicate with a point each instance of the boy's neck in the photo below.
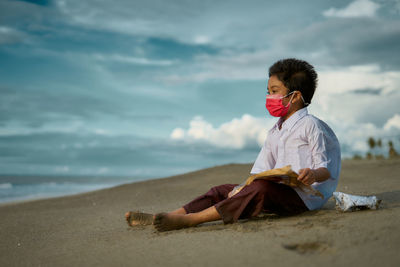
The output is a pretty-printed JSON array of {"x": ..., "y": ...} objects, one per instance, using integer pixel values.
[{"x": 287, "y": 116}]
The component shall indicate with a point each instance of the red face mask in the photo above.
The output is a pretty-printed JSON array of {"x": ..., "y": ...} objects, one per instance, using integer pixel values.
[{"x": 275, "y": 106}]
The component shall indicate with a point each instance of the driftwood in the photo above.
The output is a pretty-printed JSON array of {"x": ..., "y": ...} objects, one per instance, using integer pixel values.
[{"x": 283, "y": 175}]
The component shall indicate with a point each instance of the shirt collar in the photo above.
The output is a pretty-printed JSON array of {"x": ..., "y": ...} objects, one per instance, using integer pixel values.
[{"x": 292, "y": 120}]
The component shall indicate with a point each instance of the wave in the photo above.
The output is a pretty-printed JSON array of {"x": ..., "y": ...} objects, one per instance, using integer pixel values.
[
  {"x": 6, "y": 186},
  {"x": 17, "y": 192}
]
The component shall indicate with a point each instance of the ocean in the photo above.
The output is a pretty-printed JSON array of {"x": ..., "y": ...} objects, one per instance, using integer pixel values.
[{"x": 22, "y": 188}]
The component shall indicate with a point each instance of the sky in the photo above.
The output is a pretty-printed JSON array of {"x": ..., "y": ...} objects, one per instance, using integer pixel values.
[{"x": 154, "y": 88}]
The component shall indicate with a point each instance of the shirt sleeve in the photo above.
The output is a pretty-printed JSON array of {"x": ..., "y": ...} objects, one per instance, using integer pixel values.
[
  {"x": 265, "y": 160},
  {"x": 318, "y": 142}
]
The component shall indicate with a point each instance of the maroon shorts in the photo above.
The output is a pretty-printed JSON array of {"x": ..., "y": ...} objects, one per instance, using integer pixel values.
[{"x": 260, "y": 195}]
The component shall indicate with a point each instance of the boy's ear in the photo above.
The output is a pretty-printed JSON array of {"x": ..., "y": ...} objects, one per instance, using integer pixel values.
[{"x": 296, "y": 97}]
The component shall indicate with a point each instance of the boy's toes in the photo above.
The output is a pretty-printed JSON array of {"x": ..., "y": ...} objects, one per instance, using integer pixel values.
[{"x": 158, "y": 218}]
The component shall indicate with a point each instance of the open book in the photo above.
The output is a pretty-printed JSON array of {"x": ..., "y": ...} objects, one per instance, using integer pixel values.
[{"x": 283, "y": 175}]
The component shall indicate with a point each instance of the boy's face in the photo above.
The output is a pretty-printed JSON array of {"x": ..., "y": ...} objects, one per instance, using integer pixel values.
[{"x": 276, "y": 87}]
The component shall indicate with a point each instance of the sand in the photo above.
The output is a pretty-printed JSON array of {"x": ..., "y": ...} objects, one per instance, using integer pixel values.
[{"x": 90, "y": 230}]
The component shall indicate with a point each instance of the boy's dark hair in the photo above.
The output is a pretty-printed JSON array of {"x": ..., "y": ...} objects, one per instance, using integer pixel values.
[{"x": 296, "y": 75}]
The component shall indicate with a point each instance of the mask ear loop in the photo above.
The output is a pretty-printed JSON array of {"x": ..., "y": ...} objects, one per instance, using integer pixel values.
[
  {"x": 305, "y": 103},
  {"x": 290, "y": 99}
]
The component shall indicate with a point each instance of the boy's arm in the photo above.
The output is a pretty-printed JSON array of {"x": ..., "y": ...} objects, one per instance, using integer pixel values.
[{"x": 309, "y": 176}]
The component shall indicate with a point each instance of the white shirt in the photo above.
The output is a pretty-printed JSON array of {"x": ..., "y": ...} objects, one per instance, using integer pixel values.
[{"x": 303, "y": 141}]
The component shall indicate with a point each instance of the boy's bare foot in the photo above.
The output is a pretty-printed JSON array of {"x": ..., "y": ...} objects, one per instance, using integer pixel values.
[
  {"x": 139, "y": 218},
  {"x": 167, "y": 222}
]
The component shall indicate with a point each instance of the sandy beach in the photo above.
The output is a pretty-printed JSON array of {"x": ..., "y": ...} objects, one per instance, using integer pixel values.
[{"x": 90, "y": 229}]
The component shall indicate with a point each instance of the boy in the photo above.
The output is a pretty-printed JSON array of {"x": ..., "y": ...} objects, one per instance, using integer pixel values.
[{"x": 297, "y": 139}]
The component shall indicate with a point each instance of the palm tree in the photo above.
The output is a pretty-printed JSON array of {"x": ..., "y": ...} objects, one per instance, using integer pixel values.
[
  {"x": 379, "y": 143},
  {"x": 392, "y": 152},
  {"x": 371, "y": 143}
]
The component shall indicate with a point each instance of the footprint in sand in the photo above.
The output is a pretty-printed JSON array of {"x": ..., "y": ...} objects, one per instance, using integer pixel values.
[{"x": 307, "y": 247}]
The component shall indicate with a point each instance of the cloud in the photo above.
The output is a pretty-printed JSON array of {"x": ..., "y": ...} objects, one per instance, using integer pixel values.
[
  {"x": 39, "y": 107},
  {"x": 178, "y": 134},
  {"x": 358, "y": 8},
  {"x": 37, "y": 2},
  {"x": 11, "y": 36},
  {"x": 229, "y": 65},
  {"x": 223, "y": 23},
  {"x": 337, "y": 42},
  {"x": 353, "y": 136},
  {"x": 242, "y": 30},
  {"x": 393, "y": 122},
  {"x": 132, "y": 60},
  {"x": 357, "y": 94},
  {"x": 201, "y": 39},
  {"x": 142, "y": 18},
  {"x": 357, "y": 78},
  {"x": 371, "y": 91},
  {"x": 239, "y": 133}
]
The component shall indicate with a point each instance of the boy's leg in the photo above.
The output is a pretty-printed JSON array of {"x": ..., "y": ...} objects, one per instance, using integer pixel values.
[
  {"x": 284, "y": 200},
  {"x": 168, "y": 221},
  {"x": 258, "y": 196},
  {"x": 199, "y": 210},
  {"x": 249, "y": 202},
  {"x": 180, "y": 211},
  {"x": 213, "y": 196}
]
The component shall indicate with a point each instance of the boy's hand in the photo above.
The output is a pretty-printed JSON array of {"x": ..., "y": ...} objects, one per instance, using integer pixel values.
[{"x": 307, "y": 176}]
